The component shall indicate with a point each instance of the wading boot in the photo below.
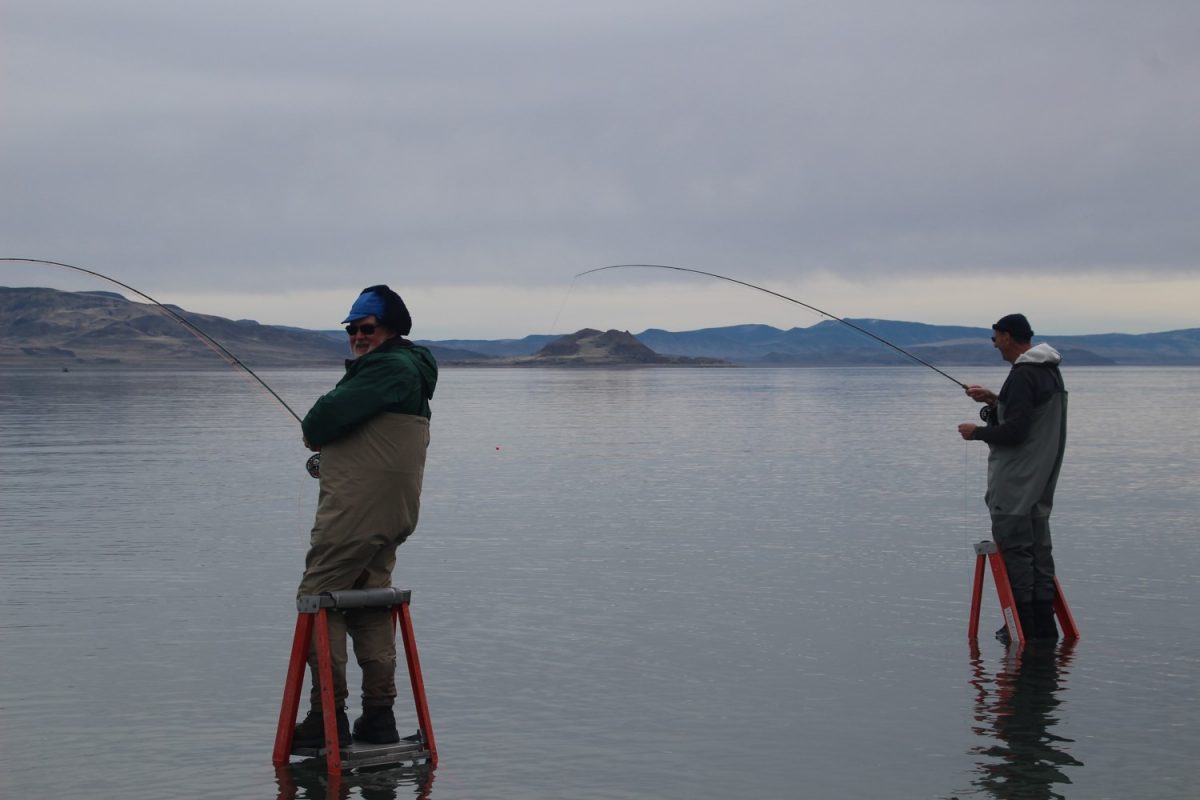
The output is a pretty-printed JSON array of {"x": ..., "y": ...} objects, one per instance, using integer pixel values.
[
  {"x": 1025, "y": 613},
  {"x": 311, "y": 732},
  {"x": 1044, "y": 626},
  {"x": 377, "y": 725}
]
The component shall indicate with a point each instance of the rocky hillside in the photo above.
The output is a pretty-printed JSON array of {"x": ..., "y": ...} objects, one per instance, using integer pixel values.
[
  {"x": 48, "y": 327},
  {"x": 593, "y": 348}
]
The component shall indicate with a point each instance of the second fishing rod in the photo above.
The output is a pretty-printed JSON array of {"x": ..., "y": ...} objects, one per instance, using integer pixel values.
[{"x": 782, "y": 296}]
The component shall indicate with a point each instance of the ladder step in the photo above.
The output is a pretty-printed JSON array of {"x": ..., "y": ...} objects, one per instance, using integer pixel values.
[
  {"x": 368, "y": 755},
  {"x": 353, "y": 598}
]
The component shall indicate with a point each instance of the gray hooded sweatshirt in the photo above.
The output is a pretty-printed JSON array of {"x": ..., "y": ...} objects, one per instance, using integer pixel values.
[{"x": 1027, "y": 436}]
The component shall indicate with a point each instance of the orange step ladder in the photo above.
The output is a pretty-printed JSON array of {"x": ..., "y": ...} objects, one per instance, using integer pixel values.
[
  {"x": 313, "y": 618},
  {"x": 989, "y": 552}
]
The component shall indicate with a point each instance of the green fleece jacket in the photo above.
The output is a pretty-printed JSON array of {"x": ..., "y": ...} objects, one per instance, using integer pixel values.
[{"x": 397, "y": 377}]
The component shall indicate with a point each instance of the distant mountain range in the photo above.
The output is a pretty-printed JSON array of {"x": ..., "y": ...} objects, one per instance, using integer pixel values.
[
  {"x": 830, "y": 343},
  {"x": 48, "y": 327}
]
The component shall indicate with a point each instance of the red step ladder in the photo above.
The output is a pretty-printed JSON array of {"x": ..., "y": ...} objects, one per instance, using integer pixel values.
[
  {"x": 313, "y": 614},
  {"x": 989, "y": 552}
]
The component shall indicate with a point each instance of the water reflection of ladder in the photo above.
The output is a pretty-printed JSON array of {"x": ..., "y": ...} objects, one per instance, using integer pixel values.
[
  {"x": 987, "y": 551},
  {"x": 313, "y": 617}
]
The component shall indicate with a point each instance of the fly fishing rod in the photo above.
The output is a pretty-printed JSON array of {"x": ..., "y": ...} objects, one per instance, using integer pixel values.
[
  {"x": 749, "y": 285},
  {"x": 190, "y": 326},
  {"x": 313, "y": 466}
]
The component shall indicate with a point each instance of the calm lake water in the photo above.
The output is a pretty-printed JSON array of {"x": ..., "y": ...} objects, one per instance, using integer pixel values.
[{"x": 659, "y": 583}]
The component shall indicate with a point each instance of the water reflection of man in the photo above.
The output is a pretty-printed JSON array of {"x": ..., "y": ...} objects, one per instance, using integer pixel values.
[
  {"x": 1026, "y": 436},
  {"x": 1022, "y": 704}
]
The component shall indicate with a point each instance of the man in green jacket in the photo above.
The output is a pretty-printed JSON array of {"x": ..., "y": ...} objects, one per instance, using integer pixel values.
[{"x": 372, "y": 431}]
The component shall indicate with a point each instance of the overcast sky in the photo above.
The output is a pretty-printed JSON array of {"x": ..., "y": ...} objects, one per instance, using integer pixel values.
[{"x": 941, "y": 162}]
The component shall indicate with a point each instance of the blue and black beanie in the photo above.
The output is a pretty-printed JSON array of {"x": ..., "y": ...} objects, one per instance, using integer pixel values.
[{"x": 383, "y": 304}]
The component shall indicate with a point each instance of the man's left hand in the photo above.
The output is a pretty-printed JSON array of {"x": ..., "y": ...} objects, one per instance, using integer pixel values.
[{"x": 967, "y": 430}]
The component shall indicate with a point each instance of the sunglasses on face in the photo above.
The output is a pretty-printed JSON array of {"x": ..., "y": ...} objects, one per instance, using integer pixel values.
[{"x": 367, "y": 329}]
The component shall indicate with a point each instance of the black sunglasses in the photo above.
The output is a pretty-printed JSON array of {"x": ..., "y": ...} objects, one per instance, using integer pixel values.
[{"x": 367, "y": 329}]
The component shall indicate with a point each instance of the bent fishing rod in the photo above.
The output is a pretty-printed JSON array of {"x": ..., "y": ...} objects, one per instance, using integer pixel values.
[
  {"x": 313, "y": 465},
  {"x": 190, "y": 326},
  {"x": 781, "y": 296}
]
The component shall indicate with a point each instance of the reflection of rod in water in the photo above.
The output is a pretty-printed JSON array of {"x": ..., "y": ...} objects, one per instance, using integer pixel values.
[
  {"x": 187, "y": 324},
  {"x": 748, "y": 285}
]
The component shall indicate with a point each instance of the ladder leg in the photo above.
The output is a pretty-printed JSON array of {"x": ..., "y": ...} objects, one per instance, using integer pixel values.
[
  {"x": 333, "y": 755},
  {"x": 292, "y": 687},
  {"x": 976, "y": 599},
  {"x": 1065, "y": 618},
  {"x": 418, "y": 684},
  {"x": 1007, "y": 604}
]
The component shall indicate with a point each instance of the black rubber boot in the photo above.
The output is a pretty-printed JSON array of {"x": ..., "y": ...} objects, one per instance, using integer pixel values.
[
  {"x": 311, "y": 732},
  {"x": 377, "y": 725},
  {"x": 1025, "y": 613},
  {"x": 1044, "y": 626}
]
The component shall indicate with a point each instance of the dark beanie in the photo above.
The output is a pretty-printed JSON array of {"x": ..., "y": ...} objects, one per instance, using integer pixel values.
[
  {"x": 1016, "y": 326},
  {"x": 395, "y": 313}
]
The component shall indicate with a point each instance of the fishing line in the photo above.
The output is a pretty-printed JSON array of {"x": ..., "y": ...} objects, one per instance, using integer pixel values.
[
  {"x": 749, "y": 285},
  {"x": 562, "y": 305},
  {"x": 966, "y": 486}
]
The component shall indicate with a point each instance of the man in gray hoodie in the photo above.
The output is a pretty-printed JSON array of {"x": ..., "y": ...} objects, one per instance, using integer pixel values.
[{"x": 1026, "y": 433}]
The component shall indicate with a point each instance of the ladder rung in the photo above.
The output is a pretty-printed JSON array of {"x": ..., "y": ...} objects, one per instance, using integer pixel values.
[
  {"x": 353, "y": 598},
  {"x": 369, "y": 755}
]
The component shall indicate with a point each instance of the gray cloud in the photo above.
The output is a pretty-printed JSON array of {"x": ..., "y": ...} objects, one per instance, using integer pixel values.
[{"x": 243, "y": 145}]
